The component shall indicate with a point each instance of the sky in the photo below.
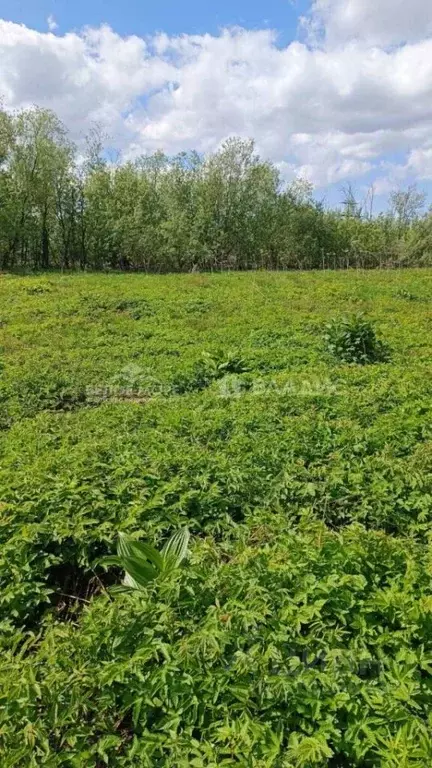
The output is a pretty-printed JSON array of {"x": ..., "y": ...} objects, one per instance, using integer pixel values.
[{"x": 335, "y": 91}]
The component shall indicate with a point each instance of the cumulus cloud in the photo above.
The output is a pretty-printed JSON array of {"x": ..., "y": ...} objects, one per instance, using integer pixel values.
[
  {"x": 329, "y": 113},
  {"x": 379, "y": 22},
  {"x": 94, "y": 76}
]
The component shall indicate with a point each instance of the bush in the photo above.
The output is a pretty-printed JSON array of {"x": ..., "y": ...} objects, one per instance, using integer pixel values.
[
  {"x": 353, "y": 340},
  {"x": 207, "y": 369}
]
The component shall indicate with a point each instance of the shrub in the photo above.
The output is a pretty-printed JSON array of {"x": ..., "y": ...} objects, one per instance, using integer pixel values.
[
  {"x": 207, "y": 369},
  {"x": 353, "y": 340}
]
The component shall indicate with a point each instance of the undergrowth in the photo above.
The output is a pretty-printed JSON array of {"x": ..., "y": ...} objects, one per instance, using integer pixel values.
[{"x": 297, "y": 633}]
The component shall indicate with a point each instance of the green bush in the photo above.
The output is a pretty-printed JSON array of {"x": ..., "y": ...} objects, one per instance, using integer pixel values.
[
  {"x": 353, "y": 340},
  {"x": 209, "y": 368}
]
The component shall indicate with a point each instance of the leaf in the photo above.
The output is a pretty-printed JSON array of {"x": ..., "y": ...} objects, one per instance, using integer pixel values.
[
  {"x": 140, "y": 571},
  {"x": 138, "y": 550},
  {"x": 175, "y": 550},
  {"x": 110, "y": 560}
]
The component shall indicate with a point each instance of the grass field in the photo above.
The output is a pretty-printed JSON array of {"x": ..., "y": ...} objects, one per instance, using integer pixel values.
[{"x": 299, "y": 632}]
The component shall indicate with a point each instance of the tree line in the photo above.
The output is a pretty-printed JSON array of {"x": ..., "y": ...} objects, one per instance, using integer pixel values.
[{"x": 61, "y": 208}]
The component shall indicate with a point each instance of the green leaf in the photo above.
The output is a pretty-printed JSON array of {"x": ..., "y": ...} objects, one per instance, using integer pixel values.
[
  {"x": 110, "y": 560},
  {"x": 140, "y": 571},
  {"x": 138, "y": 550},
  {"x": 175, "y": 550}
]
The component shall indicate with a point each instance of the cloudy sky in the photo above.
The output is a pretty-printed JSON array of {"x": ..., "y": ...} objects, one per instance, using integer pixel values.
[{"x": 332, "y": 90}]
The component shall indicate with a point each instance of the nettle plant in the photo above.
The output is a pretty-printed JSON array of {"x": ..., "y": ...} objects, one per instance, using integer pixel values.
[
  {"x": 209, "y": 368},
  {"x": 354, "y": 340}
]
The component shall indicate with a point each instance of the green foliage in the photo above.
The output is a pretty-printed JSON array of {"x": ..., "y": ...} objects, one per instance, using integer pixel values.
[
  {"x": 143, "y": 563},
  {"x": 353, "y": 340},
  {"x": 277, "y": 647},
  {"x": 299, "y": 633},
  {"x": 227, "y": 210},
  {"x": 209, "y": 368}
]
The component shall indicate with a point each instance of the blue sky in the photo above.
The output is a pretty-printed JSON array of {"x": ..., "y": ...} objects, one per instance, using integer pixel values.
[
  {"x": 340, "y": 93},
  {"x": 145, "y": 18}
]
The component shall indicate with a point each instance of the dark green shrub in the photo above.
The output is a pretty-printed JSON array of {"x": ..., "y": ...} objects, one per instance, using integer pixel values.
[
  {"x": 135, "y": 308},
  {"x": 209, "y": 368},
  {"x": 353, "y": 340}
]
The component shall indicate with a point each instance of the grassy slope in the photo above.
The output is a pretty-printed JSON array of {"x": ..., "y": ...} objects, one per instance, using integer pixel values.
[{"x": 310, "y": 496}]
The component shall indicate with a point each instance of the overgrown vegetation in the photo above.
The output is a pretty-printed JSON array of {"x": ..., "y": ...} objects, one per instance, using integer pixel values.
[
  {"x": 62, "y": 209},
  {"x": 298, "y": 631},
  {"x": 353, "y": 340}
]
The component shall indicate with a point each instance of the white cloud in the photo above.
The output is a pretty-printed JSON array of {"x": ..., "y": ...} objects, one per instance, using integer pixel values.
[
  {"x": 420, "y": 162},
  {"x": 379, "y": 22},
  {"x": 328, "y": 113},
  {"x": 94, "y": 76},
  {"x": 52, "y": 24}
]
